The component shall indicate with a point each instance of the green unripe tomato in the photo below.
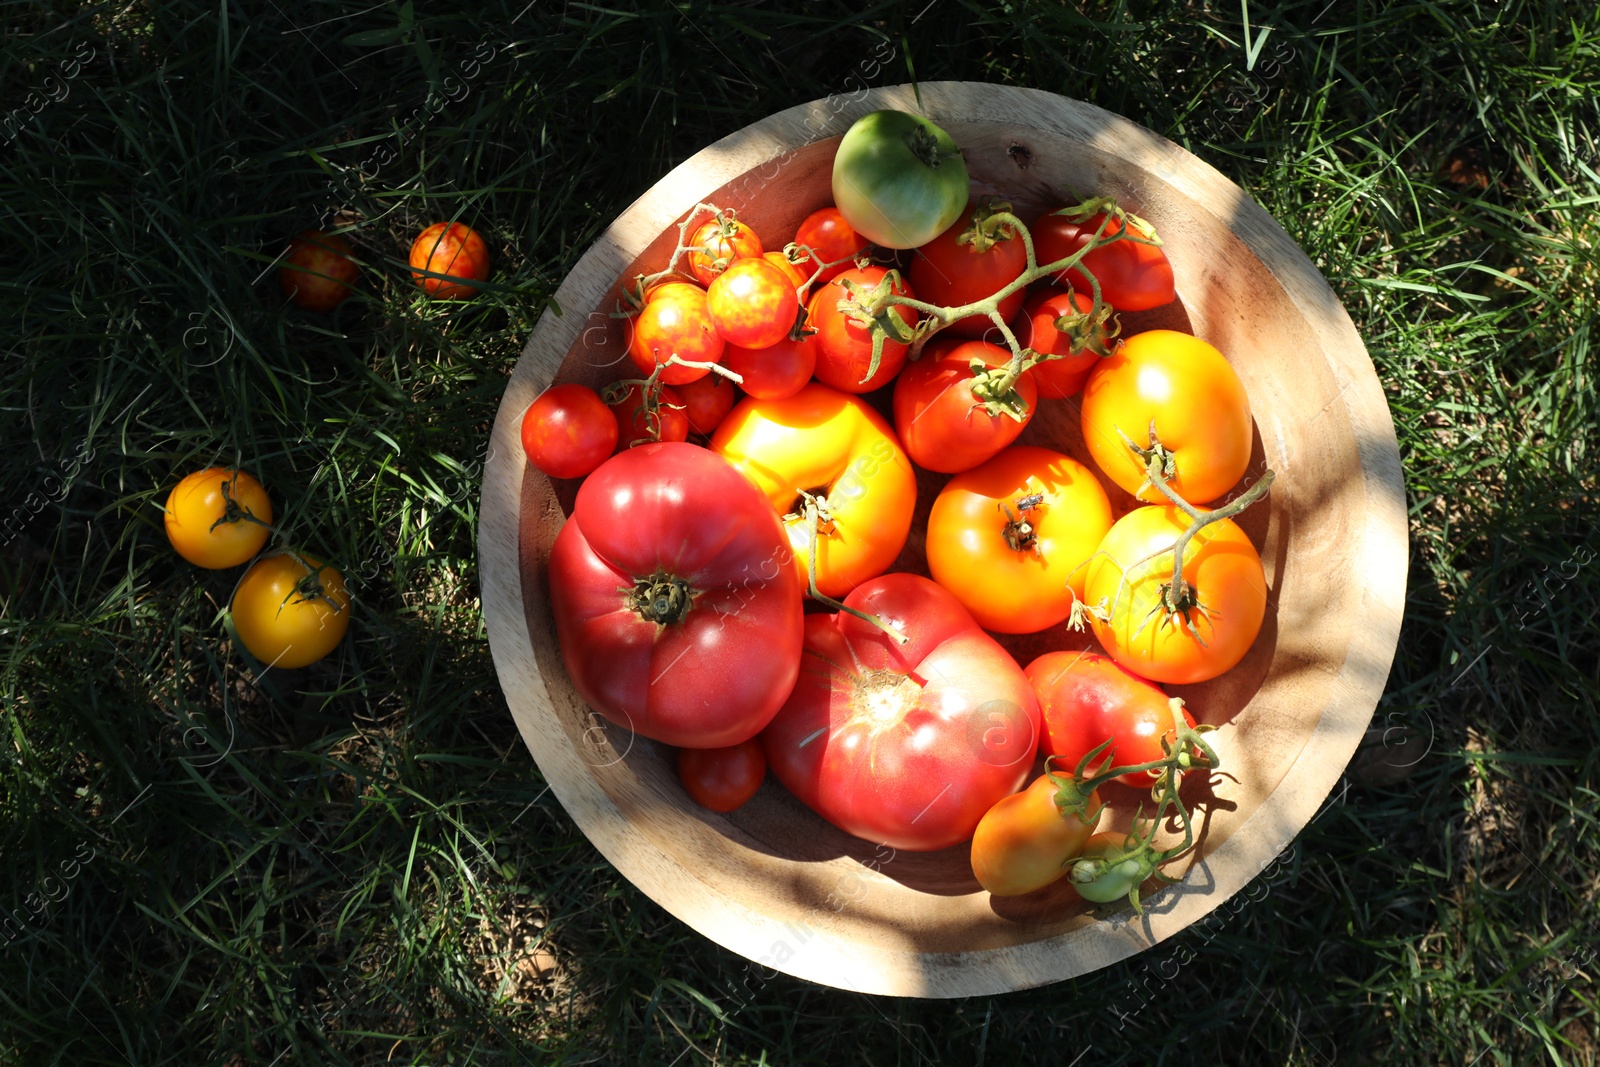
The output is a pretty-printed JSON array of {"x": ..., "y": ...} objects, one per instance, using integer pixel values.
[
  {"x": 898, "y": 179},
  {"x": 1105, "y": 871}
]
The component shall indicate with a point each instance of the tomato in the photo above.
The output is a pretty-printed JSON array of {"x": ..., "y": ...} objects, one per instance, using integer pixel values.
[
  {"x": 1040, "y": 329},
  {"x": 1227, "y": 602},
  {"x": 677, "y": 607},
  {"x": 791, "y": 270},
  {"x": 1025, "y": 841},
  {"x": 776, "y": 371},
  {"x": 1118, "y": 868},
  {"x": 1133, "y": 275},
  {"x": 706, "y": 402},
  {"x": 718, "y": 243},
  {"x": 904, "y": 745},
  {"x": 568, "y": 431},
  {"x": 971, "y": 260},
  {"x": 676, "y": 320},
  {"x": 634, "y": 425},
  {"x": 1011, "y": 537},
  {"x": 752, "y": 304},
  {"x": 946, "y": 427},
  {"x": 722, "y": 779},
  {"x": 209, "y": 517},
  {"x": 1087, "y": 699},
  {"x": 1189, "y": 393},
  {"x": 832, "y": 240},
  {"x": 833, "y": 446},
  {"x": 455, "y": 250},
  {"x": 318, "y": 270},
  {"x": 290, "y": 612},
  {"x": 898, "y": 179},
  {"x": 844, "y": 346}
]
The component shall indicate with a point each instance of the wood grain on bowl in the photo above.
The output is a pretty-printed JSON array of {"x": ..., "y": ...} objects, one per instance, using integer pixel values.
[{"x": 775, "y": 883}]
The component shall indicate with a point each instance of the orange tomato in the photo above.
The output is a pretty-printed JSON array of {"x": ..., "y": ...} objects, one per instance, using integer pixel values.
[
  {"x": 829, "y": 444},
  {"x": 1018, "y": 570},
  {"x": 285, "y": 616},
  {"x": 1025, "y": 841},
  {"x": 206, "y": 517},
  {"x": 453, "y": 249},
  {"x": 1193, "y": 397},
  {"x": 676, "y": 321},
  {"x": 318, "y": 270},
  {"x": 1228, "y": 584},
  {"x": 717, "y": 244}
]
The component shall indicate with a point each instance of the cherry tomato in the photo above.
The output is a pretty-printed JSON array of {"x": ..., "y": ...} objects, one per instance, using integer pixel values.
[
  {"x": 453, "y": 249},
  {"x": 840, "y": 451},
  {"x": 944, "y": 426},
  {"x": 774, "y": 372},
  {"x": 706, "y": 402},
  {"x": 1026, "y": 840},
  {"x": 1087, "y": 699},
  {"x": 675, "y": 321},
  {"x": 206, "y": 517},
  {"x": 844, "y": 347},
  {"x": 1133, "y": 274},
  {"x": 1058, "y": 379},
  {"x": 718, "y": 244},
  {"x": 791, "y": 270},
  {"x": 1011, "y": 537},
  {"x": 832, "y": 240},
  {"x": 722, "y": 779},
  {"x": 752, "y": 304},
  {"x": 1227, "y": 602},
  {"x": 1189, "y": 393},
  {"x": 568, "y": 431},
  {"x": 290, "y": 612},
  {"x": 634, "y": 424},
  {"x": 318, "y": 270},
  {"x": 970, "y": 261}
]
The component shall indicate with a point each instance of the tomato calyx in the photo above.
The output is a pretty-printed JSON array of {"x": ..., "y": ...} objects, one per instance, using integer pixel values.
[
  {"x": 233, "y": 511},
  {"x": 662, "y": 598},
  {"x": 310, "y": 587},
  {"x": 994, "y": 388},
  {"x": 1095, "y": 330},
  {"x": 872, "y": 309},
  {"x": 1018, "y": 532},
  {"x": 992, "y": 222}
]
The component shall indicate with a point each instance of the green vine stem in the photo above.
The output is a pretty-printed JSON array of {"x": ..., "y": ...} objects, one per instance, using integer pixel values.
[{"x": 816, "y": 512}]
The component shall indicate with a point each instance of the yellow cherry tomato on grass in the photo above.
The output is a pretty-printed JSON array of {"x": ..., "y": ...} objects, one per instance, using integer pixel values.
[
  {"x": 289, "y": 614},
  {"x": 208, "y": 517}
]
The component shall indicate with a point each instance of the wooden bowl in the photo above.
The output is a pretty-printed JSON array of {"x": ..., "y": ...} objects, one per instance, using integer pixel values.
[{"x": 776, "y": 883}]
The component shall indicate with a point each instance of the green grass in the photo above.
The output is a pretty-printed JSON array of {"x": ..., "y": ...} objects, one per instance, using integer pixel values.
[{"x": 359, "y": 863}]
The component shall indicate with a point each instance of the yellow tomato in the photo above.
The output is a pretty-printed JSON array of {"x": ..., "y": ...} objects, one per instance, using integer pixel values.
[
  {"x": 289, "y": 614},
  {"x": 1227, "y": 583},
  {"x": 208, "y": 517},
  {"x": 834, "y": 447},
  {"x": 1010, "y": 537}
]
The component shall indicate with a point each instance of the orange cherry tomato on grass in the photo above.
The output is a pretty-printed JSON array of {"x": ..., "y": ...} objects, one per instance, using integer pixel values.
[
  {"x": 1134, "y": 275},
  {"x": 723, "y": 779},
  {"x": 208, "y": 517},
  {"x": 943, "y": 425},
  {"x": 289, "y": 614},
  {"x": 1227, "y": 602},
  {"x": 833, "y": 240},
  {"x": 1037, "y": 329},
  {"x": 675, "y": 321},
  {"x": 1011, "y": 537},
  {"x": 752, "y": 304},
  {"x": 634, "y": 425},
  {"x": 718, "y": 244},
  {"x": 1026, "y": 840},
  {"x": 774, "y": 372},
  {"x": 318, "y": 270},
  {"x": 970, "y": 261},
  {"x": 707, "y": 401},
  {"x": 568, "y": 431},
  {"x": 455, "y": 250},
  {"x": 1193, "y": 398},
  {"x": 844, "y": 347}
]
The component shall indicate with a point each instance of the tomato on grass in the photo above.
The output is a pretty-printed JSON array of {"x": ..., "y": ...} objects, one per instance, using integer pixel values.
[
  {"x": 217, "y": 518},
  {"x": 290, "y": 610},
  {"x": 722, "y": 779},
  {"x": 454, "y": 250},
  {"x": 318, "y": 271},
  {"x": 568, "y": 431}
]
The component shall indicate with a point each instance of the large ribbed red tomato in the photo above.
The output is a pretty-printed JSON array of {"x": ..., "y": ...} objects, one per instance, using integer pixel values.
[
  {"x": 677, "y": 605},
  {"x": 904, "y": 745}
]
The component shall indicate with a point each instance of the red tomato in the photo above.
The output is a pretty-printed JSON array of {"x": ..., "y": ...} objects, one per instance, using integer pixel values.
[
  {"x": 965, "y": 263},
  {"x": 844, "y": 352},
  {"x": 833, "y": 240},
  {"x": 752, "y": 304},
  {"x": 318, "y": 270},
  {"x": 675, "y": 321},
  {"x": 1058, "y": 379},
  {"x": 706, "y": 402},
  {"x": 453, "y": 249},
  {"x": 943, "y": 426},
  {"x": 722, "y": 779},
  {"x": 1133, "y": 275},
  {"x": 1086, "y": 699},
  {"x": 904, "y": 745},
  {"x": 568, "y": 431},
  {"x": 633, "y": 422},
  {"x": 792, "y": 271},
  {"x": 719, "y": 244},
  {"x": 774, "y": 372},
  {"x": 677, "y": 609}
]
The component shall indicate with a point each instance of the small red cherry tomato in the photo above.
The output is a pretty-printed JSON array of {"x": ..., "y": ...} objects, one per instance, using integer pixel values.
[
  {"x": 969, "y": 261},
  {"x": 568, "y": 431},
  {"x": 833, "y": 240},
  {"x": 943, "y": 425},
  {"x": 752, "y": 304},
  {"x": 722, "y": 779},
  {"x": 795, "y": 273},
  {"x": 1133, "y": 274},
  {"x": 844, "y": 352},
  {"x": 318, "y": 270},
  {"x": 453, "y": 249},
  {"x": 718, "y": 244},
  {"x": 634, "y": 425},
  {"x": 707, "y": 401},
  {"x": 676, "y": 321},
  {"x": 1037, "y": 329},
  {"x": 774, "y": 372}
]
